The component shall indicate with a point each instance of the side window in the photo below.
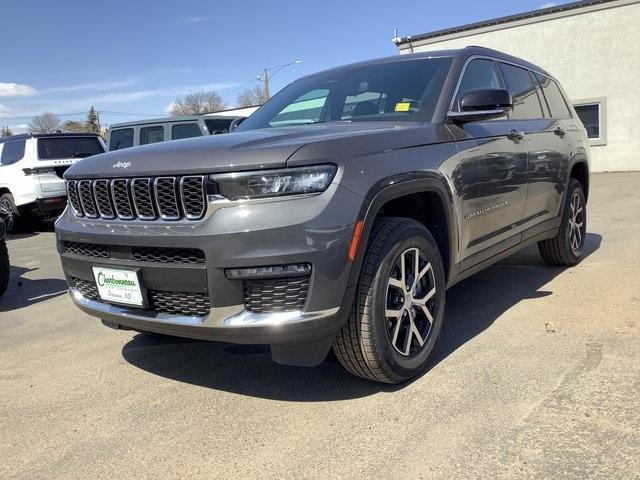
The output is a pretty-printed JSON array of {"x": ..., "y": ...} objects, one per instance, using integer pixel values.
[
  {"x": 121, "y": 138},
  {"x": 480, "y": 73},
  {"x": 526, "y": 104},
  {"x": 12, "y": 152},
  {"x": 185, "y": 130},
  {"x": 307, "y": 108},
  {"x": 218, "y": 125},
  {"x": 554, "y": 97},
  {"x": 151, "y": 134}
]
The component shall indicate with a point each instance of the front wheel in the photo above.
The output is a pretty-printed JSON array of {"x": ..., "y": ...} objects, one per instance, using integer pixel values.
[
  {"x": 399, "y": 306},
  {"x": 566, "y": 248}
]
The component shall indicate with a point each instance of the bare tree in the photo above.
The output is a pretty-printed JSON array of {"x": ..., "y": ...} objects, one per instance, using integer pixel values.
[
  {"x": 198, "y": 102},
  {"x": 250, "y": 97},
  {"x": 46, "y": 122}
]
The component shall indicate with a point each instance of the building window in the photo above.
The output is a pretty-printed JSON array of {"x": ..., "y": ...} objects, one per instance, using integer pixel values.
[{"x": 592, "y": 114}]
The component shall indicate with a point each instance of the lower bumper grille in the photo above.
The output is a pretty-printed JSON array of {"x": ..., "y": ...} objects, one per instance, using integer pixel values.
[
  {"x": 188, "y": 256},
  {"x": 174, "y": 303},
  {"x": 278, "y": 295}
]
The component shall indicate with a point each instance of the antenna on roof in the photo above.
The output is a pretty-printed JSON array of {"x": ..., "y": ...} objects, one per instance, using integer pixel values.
[{"x": 396, "y": 38}]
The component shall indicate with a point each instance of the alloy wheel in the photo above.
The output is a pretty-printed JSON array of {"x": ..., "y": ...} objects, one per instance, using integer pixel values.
[
  {"x": 576, "y": 223},
  {"x": 410, "y": 302},
  {"x": 6, "y": 211}
]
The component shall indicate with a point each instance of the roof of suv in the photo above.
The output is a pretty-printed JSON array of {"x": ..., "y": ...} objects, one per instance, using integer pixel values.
[
  {"x": 173, "y": 119},
  {"x": 23, "y": 136},
  {"x": 459, "y": 52}
]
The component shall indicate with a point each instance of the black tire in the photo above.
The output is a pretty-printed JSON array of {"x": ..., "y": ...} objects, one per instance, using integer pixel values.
[
  {"x": 566, "y": 248},
  {"x": 9, "y": 210},
  {"x": 364, "y": 346},
  {"x": 4, "y": 267}
]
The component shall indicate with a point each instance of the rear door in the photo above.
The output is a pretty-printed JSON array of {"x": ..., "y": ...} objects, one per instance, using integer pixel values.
[
  {"x": 490, "y": 173},
  {"x": 550, "y": 152}
]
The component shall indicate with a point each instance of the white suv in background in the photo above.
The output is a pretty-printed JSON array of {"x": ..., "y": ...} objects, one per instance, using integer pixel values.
[{"x": 31, "y": 169}]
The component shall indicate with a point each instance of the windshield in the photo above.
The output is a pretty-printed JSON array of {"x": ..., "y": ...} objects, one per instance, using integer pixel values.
[
  {"x": 68, "y": 147},
  {"x": 405, "y": 90}
]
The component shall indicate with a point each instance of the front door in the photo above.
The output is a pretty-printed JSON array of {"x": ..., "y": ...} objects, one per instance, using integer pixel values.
[{"x": 489, "y": 174}]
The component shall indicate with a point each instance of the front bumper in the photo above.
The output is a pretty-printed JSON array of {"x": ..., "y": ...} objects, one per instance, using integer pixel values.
[{"x": 315, "y": 230}]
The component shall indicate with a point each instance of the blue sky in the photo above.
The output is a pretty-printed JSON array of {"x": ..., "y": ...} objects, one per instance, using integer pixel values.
[{"x": 135, "y": 57}]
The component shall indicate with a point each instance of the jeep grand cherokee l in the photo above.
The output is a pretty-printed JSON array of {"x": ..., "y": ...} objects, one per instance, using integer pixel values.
[{"x": 337, "y": 214}]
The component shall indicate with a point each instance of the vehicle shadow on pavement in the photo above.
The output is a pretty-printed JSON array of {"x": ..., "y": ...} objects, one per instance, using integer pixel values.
[
  {"x": 23, "y": 292},
  {"x": 472, "y": 306}
]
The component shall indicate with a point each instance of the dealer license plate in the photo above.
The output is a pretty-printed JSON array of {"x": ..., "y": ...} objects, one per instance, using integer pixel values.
[{"x": 118, "y": 286}]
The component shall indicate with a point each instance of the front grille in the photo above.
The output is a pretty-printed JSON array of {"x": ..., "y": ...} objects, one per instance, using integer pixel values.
[
  {"x": 189, "y": 256},
  {"x": 180, "y": 303},
  {"x": 87, "y": 288},
  {"x": 278, "y": 295},
  {"x": 174, "y": 303},
  {"x": 87, "y": 249},
  {"x": 147, "y": 199},
  {"x": 85, "y": 191}
]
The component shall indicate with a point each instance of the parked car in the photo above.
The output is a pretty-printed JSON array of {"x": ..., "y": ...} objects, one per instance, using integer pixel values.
[
  {"x": 31, "y": 169},
  {"x": 154, "y": 130},
  {"x": 4, "y": 255},
  {"x": 337, "y": 214}
]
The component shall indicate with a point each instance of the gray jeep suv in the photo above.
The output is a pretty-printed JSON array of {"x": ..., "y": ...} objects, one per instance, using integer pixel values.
[{"x": 338, "y": 214}]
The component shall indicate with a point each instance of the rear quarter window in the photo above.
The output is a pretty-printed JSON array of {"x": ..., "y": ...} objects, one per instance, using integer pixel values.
[
  {"x": 185, "y": 130},
  {"x": 218, "y": 125},
  {"x": 12, "y": 152},
  {"x": 68, "y": 147},
  {"x": 555, "y": 101}
]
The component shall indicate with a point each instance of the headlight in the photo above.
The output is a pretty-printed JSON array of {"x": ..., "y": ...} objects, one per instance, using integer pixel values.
[{"x": 274, "y": 183}]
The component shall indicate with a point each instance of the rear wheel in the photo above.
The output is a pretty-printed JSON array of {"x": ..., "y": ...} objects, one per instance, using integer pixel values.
[
  {"x": 399, "y": 307},
  {"x": 9, "y": 210},
  {"x": 4, "y": 267},
  {"x": 565, "y": 249}
]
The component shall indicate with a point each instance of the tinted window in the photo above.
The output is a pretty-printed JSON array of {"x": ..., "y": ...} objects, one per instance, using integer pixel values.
[
  {"x": 590, "y": 118},
  {"x": 151, "y": 134},
  {"x": 121, "y": 138},
  {"x": 218, "y": 125},
  {"x": 525, "y": 98},
  {"x": 306, "y": 108},
  {"x": 478, "y": 74},
  {"x": 553, "y": 97},
  {"x": 12, "y": 152},
  {"x": 401, "y": 90},
  {"x": 185, "y": 130},
  {"x": 68, "y": 147}
]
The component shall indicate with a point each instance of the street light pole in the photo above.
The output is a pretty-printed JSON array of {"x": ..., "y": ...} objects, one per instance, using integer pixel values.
[{"x": 266, "y": 76}]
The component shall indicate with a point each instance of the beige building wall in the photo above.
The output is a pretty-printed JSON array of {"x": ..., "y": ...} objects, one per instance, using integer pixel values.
[{"x": 595, "y": 54}]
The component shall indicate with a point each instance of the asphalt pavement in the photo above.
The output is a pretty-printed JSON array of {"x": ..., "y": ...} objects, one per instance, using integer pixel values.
[{"x": 536, "y": 375}]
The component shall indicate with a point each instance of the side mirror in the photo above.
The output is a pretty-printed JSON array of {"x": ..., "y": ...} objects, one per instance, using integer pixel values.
[
  {"x": 236, "y": 123},
  {"x": 483, "y": 104}
]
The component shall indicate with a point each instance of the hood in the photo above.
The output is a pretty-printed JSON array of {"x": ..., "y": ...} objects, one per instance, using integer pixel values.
[{"x": 253, "y": 149}]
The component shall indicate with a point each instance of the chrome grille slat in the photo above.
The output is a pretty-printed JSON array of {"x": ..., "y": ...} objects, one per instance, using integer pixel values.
[
  {"x": 120, "y": 189},
  {"x": 168, "y": 198},
  {"x": 143, "y": 198},
  {"x": 102, "y": 194},
  {"x": 74, "y": 199},
  {"x": 192, "y": 195},
  {"x": 85, "y": 192}
]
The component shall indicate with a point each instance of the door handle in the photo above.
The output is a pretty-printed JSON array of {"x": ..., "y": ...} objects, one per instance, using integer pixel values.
[
  {"x": 515, "y": 135},
  {"x": 561, "y": 132}
]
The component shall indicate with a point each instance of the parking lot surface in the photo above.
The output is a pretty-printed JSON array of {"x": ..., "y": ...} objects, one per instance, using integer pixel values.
[{"x": 537, "y": 375}]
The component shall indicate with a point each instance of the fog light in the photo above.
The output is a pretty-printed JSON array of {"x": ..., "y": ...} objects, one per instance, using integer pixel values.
[{"x": 273, "y": 271}]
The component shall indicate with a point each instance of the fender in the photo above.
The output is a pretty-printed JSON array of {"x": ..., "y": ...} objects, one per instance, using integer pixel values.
[{"x": 397, "y": 186}]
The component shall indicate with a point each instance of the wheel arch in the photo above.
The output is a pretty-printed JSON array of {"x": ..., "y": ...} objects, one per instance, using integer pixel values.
[
  {"x": 580, "y": 172},
  {"x": 415, "y": 187}
]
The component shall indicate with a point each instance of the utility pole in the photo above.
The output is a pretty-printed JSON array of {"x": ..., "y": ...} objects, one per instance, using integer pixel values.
[
  {"x": 265, "y": 77},
  {"x": 265, "y": 89}
]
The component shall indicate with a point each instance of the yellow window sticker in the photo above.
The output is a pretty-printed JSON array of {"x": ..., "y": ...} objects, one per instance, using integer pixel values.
[{"x": 402, "y": 106}]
